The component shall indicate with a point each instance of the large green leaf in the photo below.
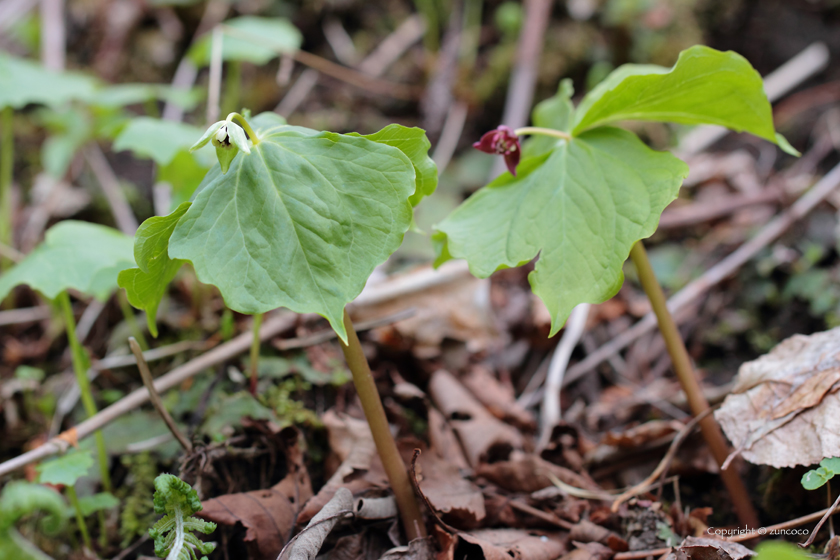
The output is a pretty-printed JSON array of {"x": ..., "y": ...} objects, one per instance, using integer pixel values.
[
  {"x": 24, "y": 82},
  {"x": 157, "y": 139},
  {"x": 79, "y": 255},
  {"x": 580, "y": 207},
  {"x": 414, "y": 144},
  {"x": 300, "y": 222},
  {"x": 250, "y": 39},
  {"x": 705, "y": 86},
  {"x": 66, "y": 469},
  {"x": 146, "y": 285},
  {"x": 21, "y": 499}
]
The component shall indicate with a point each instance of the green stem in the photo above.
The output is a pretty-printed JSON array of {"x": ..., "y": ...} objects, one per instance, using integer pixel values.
[
  {"x": 691, "y": 386},
  {"x": 385, "y": 444},
  {"x": 233, "y": 79},
  {"x": 80, "y": 519},
  {"x": 537, "y": 130},
  {"x": 428, "y": 10},
  {"x": 131, "y": 319},
  {"x": 255, "y": 351},
  {"x": 80, "y": 368},
  {"x": 7, "y": 155},
  {"x": 241, "y": 120}
]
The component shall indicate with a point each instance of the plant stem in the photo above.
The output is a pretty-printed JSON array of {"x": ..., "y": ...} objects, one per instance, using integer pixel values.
[
  {"x": 688, "y": 380},
  {"x": 80, "y": 519},
  {"x": 7, "y": 155},
  {"x": 80, "y": 368},
  {"x": 385, "y": 444},
  {"x": 539, "y": 131},
  {"x": 233, "y": 79},
  {"x": 131, "y": 319},
  {"x": 255, "y": 352},
  {"x": 241, "y": 120}
]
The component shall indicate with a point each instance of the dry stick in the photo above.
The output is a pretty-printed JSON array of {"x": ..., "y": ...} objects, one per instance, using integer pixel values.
[
  {"x": 386, "y": 447},
  {"x": 816, "y": 530},
  {"x": 714, "y": 275},
  {"x": 214, "y": 85},
  {"x": 662, "y": 467},
  {"x": 24, "y": 315},
  {"x": 691, "y": 386},
  {"x": 53, "y": 34},
  {"x": 123, "y": 215},
  {"x": 154, "y": 396},
  {"x": 272, "y": 327},
  {"x": 329, "y": 334},
  {"x": 639, "y": 554}
]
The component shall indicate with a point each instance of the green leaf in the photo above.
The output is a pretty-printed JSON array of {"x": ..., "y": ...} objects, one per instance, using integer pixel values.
[
  {"x": 779, "y": 550},
  {"x": 250, "y": 39},
  {"x": 121, "y": 95},
  {"x": 26, "y": 82},
  {"x": 20, "y": 499},
  {"x": 705, "y": 86},
  {"x": 173, "y": 537},
  {"x": 146, "y": 285},
  {"x": 65, "y": 470},
  {"x": 817, "y": 478},
  {"x": 79, "y": 255},
  {"x": 580, "y": 207},
  {"x": 300, "y": 222},
  {"x": 415, "y": 145},
  {"x": 184, "y": 173},
  {"x": 555, "y": 113},
  {"x": 157, "y": 139},
  {"x": 98, "y": 502}
]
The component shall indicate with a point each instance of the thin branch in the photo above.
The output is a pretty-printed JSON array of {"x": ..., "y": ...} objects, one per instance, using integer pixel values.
[
  {"x": 329, "y": 334},
  {"x": 146, "y": 375},
  {"x": 110, "y": 184}
]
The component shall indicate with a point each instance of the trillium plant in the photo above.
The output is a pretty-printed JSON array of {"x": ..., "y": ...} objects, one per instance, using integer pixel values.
[
  {"x": 581, "y": 194},
  {"x": 297, "y": 218}
]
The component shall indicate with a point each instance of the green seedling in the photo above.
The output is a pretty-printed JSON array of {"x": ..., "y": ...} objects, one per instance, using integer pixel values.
[
  {"x": 297, "y": 218},
  {"x": 84, "y": 257},
  {"x": 20, "y": 499},
  {"x": 173, "y": 533},
  {"x": 816, "y": 478},
  {"x": 581, "y": 194}
]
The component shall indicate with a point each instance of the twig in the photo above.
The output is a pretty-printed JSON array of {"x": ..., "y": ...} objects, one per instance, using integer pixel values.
[
  {"x": 523, "y": 79},
  {"x": 123, "y": 215},
  {"x": 53, "y": 34},
  {"x": 816, "y": 530},
  {"x": 539, "y": 514},
  {"x": 714, "y": 275},
  {"x": 329, "y": 334},
  {"x": 25, "y": 315},
  {"x": 550, "y": 412},
  {"x": 272, "y": 327},
  {"x": 8, "y": 252},
  {"x": 638, "y": 554},
  {"x": 786, "y": 525},
  {"x": 214, "y": 85},
  {"x": 662, "y": 468},
  {"x": 702, "y": 212},
  {"x": 453, "y": 126},
  {"x": 146, "y": 375}
]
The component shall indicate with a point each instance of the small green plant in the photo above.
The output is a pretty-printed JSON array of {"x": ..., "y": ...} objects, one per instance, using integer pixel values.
[
  {"x": 173, "y": 533},
  {"x": 816, "y": 478},
  {"x": 20, "y": 499},
  {"x": 582, "y": 194},
  {"x": 297, "y": 218}
]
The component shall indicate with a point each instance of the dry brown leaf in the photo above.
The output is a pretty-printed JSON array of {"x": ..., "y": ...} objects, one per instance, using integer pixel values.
[
  {"x": 643, "y": 433},
  {"x": 309, "y": 541},
  {"x": 589, "y": 551},
  {"x": 418, "y": 549},
  {"x": 504, "y": 544},
  {"x": 696, "y": 548},
  {"x": 459, "y": 310},
  {"x": 459, "y": 501},
  {"x": 498, "y": 398},
  {"x": 443, "y": 439},
  {"x": 785, "y": 410},
  {"x": 481, "y": 434},
  {"x": 528, "y": 473}
]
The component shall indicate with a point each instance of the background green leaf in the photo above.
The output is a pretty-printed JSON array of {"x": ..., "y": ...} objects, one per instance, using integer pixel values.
[
  {"x": 79, "y": 255},
  {"x": 97, "y": 502},
  {"x": 250, "y": 39},
  {"x": 301, "y": 222},
  {"x": 146, "y": 285},
  {"x": 705, "y": 86},
  {"x": 580, "y": 207},
  {"x": 555, "y": 113},
  {"x": 21, "y": 499},
  {"x": 26, "y": 82},
  {"x": 66, "y": 469},
  {"x": 157, "y": 139}
]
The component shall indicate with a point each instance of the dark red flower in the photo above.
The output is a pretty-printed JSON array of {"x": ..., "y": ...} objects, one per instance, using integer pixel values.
[{"x": 504, "y": 142}]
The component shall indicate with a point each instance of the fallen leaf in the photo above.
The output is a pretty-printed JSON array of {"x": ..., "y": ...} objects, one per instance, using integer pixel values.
[
  {"x": 481, "y": 434},
  {"x": 695, "y": 548},
  {"x": 309, "y": 541},
  {"x": 642, "y": 434},
  {"x": 418, "y": 549},
  {"x": 785, "y": 408},
  {"x": 504, "y": 544},
  {"x": 458, "y": 500},
  {"x": 498, "y": 398},
  {"x": 589, "y": 551},
  {"x": 443, "y": 440},
  {"x": 528, "y": 473}
]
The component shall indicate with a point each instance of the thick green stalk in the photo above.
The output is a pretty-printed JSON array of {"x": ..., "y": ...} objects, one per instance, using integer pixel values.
[
  {"x": 80, "y": 368},
  {"x": 7, "y": 155},
  {"x": 233, "y": 80},
  {"x": 131, "y": 320},
  {"x": 691, "y": 386},
  {"x": 385, "y": 444},
  {"x": 255, "y": 352},
  {"x": 80, "y": 519}
]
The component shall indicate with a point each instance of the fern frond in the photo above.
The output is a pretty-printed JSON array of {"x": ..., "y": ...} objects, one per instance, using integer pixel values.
[{"x": 172, "y": 534}]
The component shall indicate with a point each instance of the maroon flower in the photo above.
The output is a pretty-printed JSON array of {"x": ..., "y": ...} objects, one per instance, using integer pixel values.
[{"x": 504, "y": 142}]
